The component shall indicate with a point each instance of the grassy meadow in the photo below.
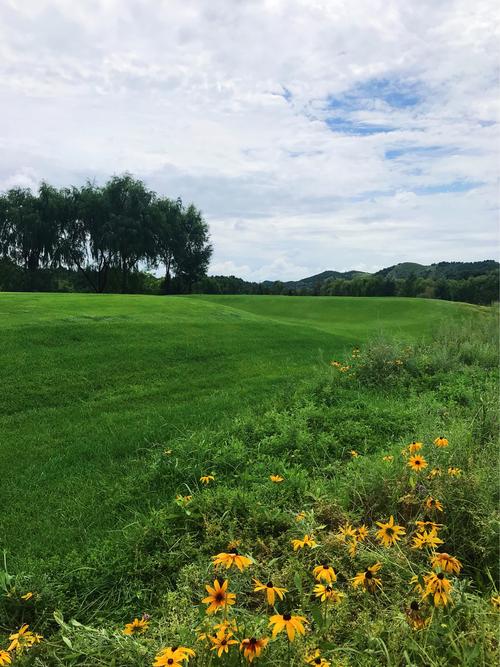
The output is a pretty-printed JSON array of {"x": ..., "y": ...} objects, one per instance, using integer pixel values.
[{"x": 114, "y": 407}]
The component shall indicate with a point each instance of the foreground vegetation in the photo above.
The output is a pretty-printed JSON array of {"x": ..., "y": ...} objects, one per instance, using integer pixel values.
[{"x": 303, "y": 495}]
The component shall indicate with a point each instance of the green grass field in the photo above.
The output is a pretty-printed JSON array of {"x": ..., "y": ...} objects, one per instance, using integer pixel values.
[
  {"x": 114, "y": 407},
  {"x": 88, "y": 380}
]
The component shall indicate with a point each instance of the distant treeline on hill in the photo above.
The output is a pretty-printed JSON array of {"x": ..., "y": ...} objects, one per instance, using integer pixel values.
[
  {"x": 473, "y": 282},
  {"x": 97, "y": 238}
]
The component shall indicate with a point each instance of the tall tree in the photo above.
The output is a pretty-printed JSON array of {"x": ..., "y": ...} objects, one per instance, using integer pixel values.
[
  {"x": 128, "y": 203},
  {"x": 167, "y": 216},
  {"x": 193, "y": 256}
]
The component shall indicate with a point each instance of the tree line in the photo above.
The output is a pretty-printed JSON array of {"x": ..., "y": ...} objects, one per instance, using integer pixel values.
[
  {"x": 480, "y": 289},
  {"x": 100, "y": 238}
]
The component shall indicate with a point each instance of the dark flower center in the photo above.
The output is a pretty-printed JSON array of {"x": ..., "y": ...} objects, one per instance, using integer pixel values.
[
  {"x": 219, "y": 597},
  {"x": 234, "y": 552},
  {"x": 414, "y": 606},
  {"x": 269, "y": 584},
  {"x": 223, "y": 642},
  {"x": 317, "y": 661},
  {"x": 325, "y": 564},
  {"x": 389, "y": 531},
  {"x": 368, "y": 575},
  {"x": 287, "y": 617},
  {"x": 170, "y": 661},
  {"x": 440, "y": 576},
  {"x": 418, "y": 462},
  {"x": 252, "y": 641},
  {"x": 328, "y": 588}
]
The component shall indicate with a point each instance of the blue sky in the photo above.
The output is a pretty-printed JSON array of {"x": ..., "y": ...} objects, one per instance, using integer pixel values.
[{"x": 313, "y": 135}]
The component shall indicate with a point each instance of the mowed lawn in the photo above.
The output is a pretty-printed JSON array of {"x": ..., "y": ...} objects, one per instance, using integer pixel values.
[{"x": 90, "y": 382}]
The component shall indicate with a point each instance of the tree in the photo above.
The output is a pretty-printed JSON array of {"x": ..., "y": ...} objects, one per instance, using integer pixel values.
[
  {"x": 194, "y": 251},
  {"x": 131, "y": 234},
  {"x": 167, "y": 225}
]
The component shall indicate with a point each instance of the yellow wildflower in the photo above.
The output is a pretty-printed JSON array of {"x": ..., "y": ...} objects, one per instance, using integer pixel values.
[
  {"x": 417, "y": 462},
  {"x": 206, "y": 479},
  {"x": 325, "y": 572},
  {"x": 222, "y": 641},
  {"x": 367, "y": 579},
  {"x": 307, "y": 541},
  {"x": 270, "y": 590},
  {"x": 446, "y": 563},
  {"x": 327, "y": 593},
  {"x": 218, "y": 597},
  {"x": 232, "y": 558},
  {"x": 389, "y": 533},
  {"x": 253, "y": 647},
  {"x": 137, "y": 627},
  {"x": 292, "y": 625}
]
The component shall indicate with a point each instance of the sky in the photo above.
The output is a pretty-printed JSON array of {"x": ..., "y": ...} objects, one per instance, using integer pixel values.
[{"x": 312, "y": 134}]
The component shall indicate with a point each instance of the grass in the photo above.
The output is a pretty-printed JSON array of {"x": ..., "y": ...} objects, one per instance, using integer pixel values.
[
  {"x": 274, "y": 406},
  {"x": 88, "y": 381}
]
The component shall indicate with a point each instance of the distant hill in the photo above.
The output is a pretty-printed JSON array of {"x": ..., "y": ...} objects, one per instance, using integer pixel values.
[
  {"x": 320, "y": 278},
  {"x": 454, "y": 270}
]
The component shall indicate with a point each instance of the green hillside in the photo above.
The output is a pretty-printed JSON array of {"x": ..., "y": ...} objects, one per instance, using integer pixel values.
[{"x": 91, "y": 380}]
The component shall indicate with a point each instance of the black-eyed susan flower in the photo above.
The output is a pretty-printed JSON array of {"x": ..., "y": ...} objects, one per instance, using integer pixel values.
[
  {"x": 354, "y": 454},
  {"x": 206, "y": 479},
  {"x": 495, "y": 602},
  {"x": 346, "y": 531},
  {"x": 433, "y": 504},
  {"x": 426, "y": 539},
  {"x": 427, "y": 525},
  {"x": 415, "y": 447},
  {"x": 306, "y": 541},
  {"x": 389, "y": 533},
  {"x": 388, "y": 458},
  {"x": 438, "y": 587},
  {"x": 300, "y": 516},
  {"x": 22, "y": 639},
  {"x": 137, "y": 627},
  {"x": 325, "y": 572},
  {"x": 417, "y": 462},
  {"x": 173, "y": 656},
  {"x": 454, "y": 472},
  {"x": 327, "y": 593},
  {"x": 367, "y": 579},
  {"x": 232, "y": 558},
  {"x": 441, "y": 442},
  {"x": 292, "y": 625},
  {"x": 362, "y": 533},
  {"x": 277, "y": 479},
  {"x": 218, "y": 597},
  {"x": 222, "y": 641},
  {"x": 270, "y": 590},
  {"x": 446, "y": 563},
  {"x": 253, "y": 647},
  {"x": 415, "y": 616},
  {"x": 228, "y": 625},
  {"x": 435, "y": 472},
  {"x": 5, "y": 658},
  {"x": 317, "y": 659}
]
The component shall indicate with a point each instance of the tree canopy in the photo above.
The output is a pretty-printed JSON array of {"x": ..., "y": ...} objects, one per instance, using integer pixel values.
[{"x": 105, "y": 233}]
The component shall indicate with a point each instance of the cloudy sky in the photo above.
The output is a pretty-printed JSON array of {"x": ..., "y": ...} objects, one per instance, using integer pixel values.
[{"x": 313, "y": 134}]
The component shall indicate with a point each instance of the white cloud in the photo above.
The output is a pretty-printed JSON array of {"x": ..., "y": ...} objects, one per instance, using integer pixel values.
[{"x": 226, "y": 104}]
